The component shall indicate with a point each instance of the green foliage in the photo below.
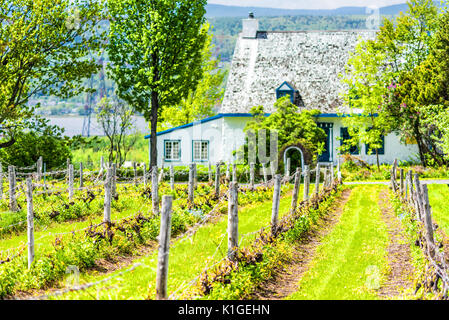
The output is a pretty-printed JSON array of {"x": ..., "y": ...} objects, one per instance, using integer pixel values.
[
  {"x": 381, "y": 79},
  {"x": 44, "y": 140},
  {"x": 156, "y": 49},
  {"x": 202, "y": 101},
  {"x": 292, "y": 127},
  {"x": 44, "y": 47}
]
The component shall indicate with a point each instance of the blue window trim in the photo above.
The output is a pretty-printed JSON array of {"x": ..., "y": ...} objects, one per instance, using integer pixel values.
[
  {"x": 208, "y": 150},
  {"x": 172, "y": 160},
  {"x": 381, "y": 151},
  {"x": 342, "y": 141}
]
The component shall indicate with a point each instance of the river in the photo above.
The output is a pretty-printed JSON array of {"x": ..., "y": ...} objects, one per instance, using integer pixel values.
[{"x": 73, "y": 125}]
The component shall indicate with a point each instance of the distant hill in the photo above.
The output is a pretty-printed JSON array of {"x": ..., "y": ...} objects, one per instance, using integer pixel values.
[{"x": 215, "y": 11}]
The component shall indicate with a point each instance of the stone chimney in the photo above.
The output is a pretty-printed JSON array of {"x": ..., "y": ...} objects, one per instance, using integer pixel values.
[{"x": 250, "y": 27}]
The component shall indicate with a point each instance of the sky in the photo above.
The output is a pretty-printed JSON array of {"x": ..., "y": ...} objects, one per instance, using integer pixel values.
[{"x": 307, "y": 4}]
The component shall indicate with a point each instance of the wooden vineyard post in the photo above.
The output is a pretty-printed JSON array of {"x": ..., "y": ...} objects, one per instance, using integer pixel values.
[
  {"x": 195, "y": 177},
  {"x": 12, "y": 189},
  {"x": 234, "y": 173},
  {"x": 339, "y": 171},
  {"x": 191, "y": 183},
  {"x": 135, "y": 173},
  {"x": 406, "y": 188},
  {"x": 144, "y": 175},
  {"x": 102, "y": 163},
  {"x": 81, "y": 175},
  {"x": 39, "y": 168},
  {"x": 251, "y": 176},
  {"x": 107, "y": 196},
  {"x": 217, "y": 180},
  {"x": 155, "y": 190},
  {"x": 70, "y": 181},
  {"x": 30, "y": 222},
  {"x": 264, "y": 170},
  {"x": 418, "y": 197},
  {"x": 162, "y": 173},
  {"x": 326, "y": 178},
  {"x": 317, "y": 179},
  {"x": 210, "y": 172},
  {"x": 306, "y": 182},
  {"x": 287, "y": 171},
  {"x": 228, "y": 173},
  {"x": 114, "y": 180},
  {"x": 427, "y": 212},
  {"x": 332, "y": 173},
  {"x": 233, "y": 221},
  {"x": 296, "y": 189},
  {"x": 45, "y": 174},
  {"x": 164, "y": 247},
  {"x": 410, "y": 185},
  {"x": 401, "y": 172},
  {"x": 172, "y": 177},
  {"x": 276, "y": 201}
]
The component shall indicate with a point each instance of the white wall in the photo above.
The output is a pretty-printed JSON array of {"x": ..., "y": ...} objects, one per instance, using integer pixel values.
[
  {"x": 226, "y": 135},
  {"x": 393, "y": 146}
]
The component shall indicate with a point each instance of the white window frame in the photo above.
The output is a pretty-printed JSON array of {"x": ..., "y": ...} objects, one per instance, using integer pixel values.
[
  {"x": 172, "y": 156},
  {"x": 200, "y": 158}
]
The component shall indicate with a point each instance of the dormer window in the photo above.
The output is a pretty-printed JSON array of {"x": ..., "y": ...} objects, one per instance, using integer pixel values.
[{"x": 287, "y": 88}]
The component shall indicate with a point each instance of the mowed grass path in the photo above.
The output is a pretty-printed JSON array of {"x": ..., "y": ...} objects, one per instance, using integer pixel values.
[
  {"x": 352, "y": 258},
  {"x": 439, "y": 197},
  {"x": 187, "y": 259}
]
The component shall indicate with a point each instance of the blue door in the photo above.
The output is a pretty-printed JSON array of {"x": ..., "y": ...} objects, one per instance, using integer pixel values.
[{"x": 326, "y": 155}]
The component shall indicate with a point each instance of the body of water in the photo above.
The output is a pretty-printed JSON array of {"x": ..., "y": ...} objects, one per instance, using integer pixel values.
[{"x": 73, "y": 125}]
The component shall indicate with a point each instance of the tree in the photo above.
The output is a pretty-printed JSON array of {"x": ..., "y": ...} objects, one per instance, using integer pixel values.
[
  {"x": 115, "y": 118},
  {"x": 41, "y": 140},
  {"x": 292, "y": 128},
  {"x": 378, "y": 74},
  {"x": 156, "y": 51},
  {"x": 201, "y": 101},
  {"x": 44, "y": 46}
]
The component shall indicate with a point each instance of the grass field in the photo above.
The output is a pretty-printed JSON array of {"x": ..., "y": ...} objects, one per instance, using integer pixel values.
[
  {"x": 438, "y": 197},
  {"x": 351, "y": 254}
]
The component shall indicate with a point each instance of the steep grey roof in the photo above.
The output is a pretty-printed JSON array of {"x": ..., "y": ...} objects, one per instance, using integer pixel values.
[{"x": 310, "y": 60}]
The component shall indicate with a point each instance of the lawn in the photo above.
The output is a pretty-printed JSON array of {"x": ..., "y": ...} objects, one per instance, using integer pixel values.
[
  {"x": 352, "y": 259},
  {"x": 438, "y": 197}
]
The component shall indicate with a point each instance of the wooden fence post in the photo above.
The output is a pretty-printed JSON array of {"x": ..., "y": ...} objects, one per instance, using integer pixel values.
[
  {"x": 155, "y": 190},
  {"x": 135, "y": 173},
  {"x": 114, "y": 179},
  {"x": 410, "y": 185},
  {"x": 428, "y": 218},
  {"x": 161, "y": 173},
  {"x": 228, "y": 173},
  {"x": 70, "y": 181},
  {"x": 234, "y": 173},
  {"x": 276, "y": 201},
  {"x": 172, "y": 177},
  {"x": 45, "y": 174},
  {"x": 191, "y": 183},
  {"x": 306, "y": 182},
  {"x": 39, "y": 168},
  {"x": 12, "y": 189},
  {"x": 296, "y": 188},
  {"x": 287, "y": 171},
  {"x": 317, "y": 179},
  {"x": 164, "y": 247},
  {"x": 102, "y": 163},
  {"x": 251, "y": 176},
  {"x": 326, "y": 178},
  {"x": 217, "y": 180},
  {"x": 81, "y": 175},
  {"x": 418, "y": 197},
  {"x": 233, "y": 221},
  {"x": 264, "y": 170},
  {"x": 401, "y": 187},
  {"x": 107, "y": 196},
  {"x": 210, "y": 172},
  {"x": 30, "y": 222},
  {"x": 332, "y": 173},
  {"x": 195, "y": 176}
]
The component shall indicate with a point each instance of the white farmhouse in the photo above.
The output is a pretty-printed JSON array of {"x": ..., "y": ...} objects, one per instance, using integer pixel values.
[{"x": 266, "y": 66}]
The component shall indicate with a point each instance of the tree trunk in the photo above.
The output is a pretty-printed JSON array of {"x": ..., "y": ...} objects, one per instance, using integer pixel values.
[
  {"x": 377, "y": 158},
  {"x": 154, "y": 118}
]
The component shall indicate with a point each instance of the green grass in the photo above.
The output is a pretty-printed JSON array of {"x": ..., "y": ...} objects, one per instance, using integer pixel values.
[
  {"x": 438, "y": 197},
  {"x": 187, "y": 258},
  {"x": 351, "y": 255}
]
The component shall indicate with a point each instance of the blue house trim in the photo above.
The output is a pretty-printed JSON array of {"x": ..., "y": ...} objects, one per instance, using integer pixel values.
[
  {"x": 237, "y": 115},
  {"x": 218, "y": 116}
]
